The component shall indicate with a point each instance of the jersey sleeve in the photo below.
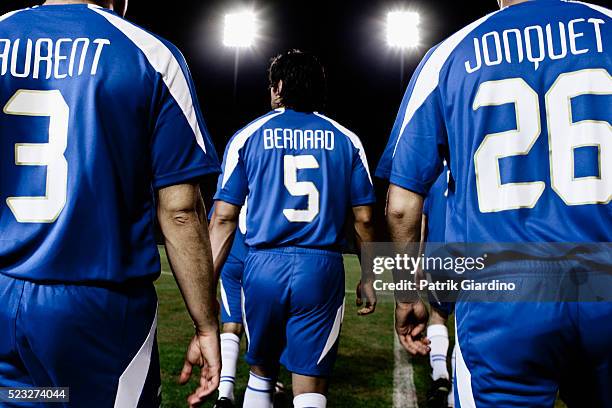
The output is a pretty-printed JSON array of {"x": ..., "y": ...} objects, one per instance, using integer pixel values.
[
  {"x": 362, "y": 190},
  {"x": 181, "y": 147},
  {"x": 383, "y": 170},
  {"x": 420, "y": 149},
  {"x": 233, "y": 184},
  {"x": 414, "y": 156}
]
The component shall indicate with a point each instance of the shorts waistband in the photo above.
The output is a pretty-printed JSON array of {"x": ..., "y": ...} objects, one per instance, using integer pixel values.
[
  {"x": 291, "y": 250},
  {"x": 134, "y": 283},
  {"x": 551, "y": 269}
]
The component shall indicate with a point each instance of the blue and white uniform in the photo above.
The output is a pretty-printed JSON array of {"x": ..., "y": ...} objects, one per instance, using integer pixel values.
[
  {"x": 518, "y": 103},
  {"x": 230, "y": 282},
  {"x": 434, "y": 208},
  {"x": 97, "y": 115},
  {"x": 302, "y": 172}
]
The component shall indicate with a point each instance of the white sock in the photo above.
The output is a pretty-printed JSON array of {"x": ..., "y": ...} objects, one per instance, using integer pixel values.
[
  {"x": 259, "y": 392},
  {"x": 438, "y": 335},
  {"x": 230, "y": 349},
  {"x": 310, "y": 400},
  {"x": 451, "y": 395}
]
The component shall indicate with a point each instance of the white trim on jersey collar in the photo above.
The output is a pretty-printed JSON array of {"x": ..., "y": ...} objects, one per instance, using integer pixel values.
[
  {"x": 10, "y": 13},
  {"x": 354, "y": 140},
  {"x": 67, "y": 4},
  {"x": 164, "y": 62},
  {"x": 237, "y": 143},
  {"x": 429, "y": 77}
]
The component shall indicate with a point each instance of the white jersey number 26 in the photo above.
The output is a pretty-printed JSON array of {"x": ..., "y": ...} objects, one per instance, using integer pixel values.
[
  {"x": 564, "y": 135},
  {"x": 47, "y": 208}
]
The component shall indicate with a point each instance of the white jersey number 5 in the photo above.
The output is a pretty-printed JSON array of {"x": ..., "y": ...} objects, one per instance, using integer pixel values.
[
  {"x": 47, "y": 208},
  {"x": 565, "y": 135},
  {"x": 301, "y": 188}
]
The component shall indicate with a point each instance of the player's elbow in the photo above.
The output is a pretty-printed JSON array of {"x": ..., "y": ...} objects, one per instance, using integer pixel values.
[
  {"x": 364, "y": 217},
  {"x": 179, "y": 217},
  {"x": 225, "y": 213},
  {"x": 180, "y": 205},
  {"x": 396, "y": 212},
  {"x": 224, "y": 218},
  {"x": 403, "y": 205},
  {"x": 364, "y": 224}
]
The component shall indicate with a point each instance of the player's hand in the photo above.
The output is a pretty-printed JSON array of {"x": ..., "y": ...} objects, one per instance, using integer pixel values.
[
  {"x": 410, "y": 323},
  {"x": 365, "y": 291},
  {"x": 205, "y": 352}
]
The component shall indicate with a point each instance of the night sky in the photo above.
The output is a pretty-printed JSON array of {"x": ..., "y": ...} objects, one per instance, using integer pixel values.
[{"x": 365, "y": 76}]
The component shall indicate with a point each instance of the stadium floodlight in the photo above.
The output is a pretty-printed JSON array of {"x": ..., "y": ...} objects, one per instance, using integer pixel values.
[
  {"x": 403, "y": 29},
  {"x": 240, "y": 29}
]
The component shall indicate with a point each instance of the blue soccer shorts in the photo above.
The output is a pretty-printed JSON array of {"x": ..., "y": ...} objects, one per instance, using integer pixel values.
[
  {"x": 231, "y": 291},
  {"x": 294, "y": 306},
  {"x": 99, "y": 342},
  {"x": 523, "y": 354}
]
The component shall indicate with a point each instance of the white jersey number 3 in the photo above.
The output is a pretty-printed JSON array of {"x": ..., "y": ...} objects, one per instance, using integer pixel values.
[
  {"x": 564, "y": 136},
  {"x": 301, "y": 188},
  {"x": 47, "y": 208}
]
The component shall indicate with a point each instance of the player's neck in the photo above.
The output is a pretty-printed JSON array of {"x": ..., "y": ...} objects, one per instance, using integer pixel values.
[
  {"x": 56, "y": 2},
  {"x": 507, "y": 3}
]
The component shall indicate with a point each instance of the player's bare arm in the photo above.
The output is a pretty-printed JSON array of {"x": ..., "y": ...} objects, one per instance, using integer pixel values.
[
  {"x": 223, "y": 225},
  {"x": 423, "y": 241},
  {"x": 404, "y": 215},
  {"x": 182, "y": 217},
  {"x": 364, "y": 232},
  {"x": 420, "y": 274}
]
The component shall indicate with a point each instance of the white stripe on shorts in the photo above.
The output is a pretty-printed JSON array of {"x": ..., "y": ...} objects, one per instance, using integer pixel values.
[
  {"x": 464, "y": 378},
  {"x": 334, "y": 334},
  {"x": 132, "y": 381}
]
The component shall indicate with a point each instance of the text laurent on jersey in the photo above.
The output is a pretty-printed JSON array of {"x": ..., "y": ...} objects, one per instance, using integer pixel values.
[{"x": 46, "y": 58}]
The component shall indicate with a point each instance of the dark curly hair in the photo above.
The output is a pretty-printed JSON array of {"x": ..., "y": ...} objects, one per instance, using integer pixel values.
[{"x": 304, "y": 80}]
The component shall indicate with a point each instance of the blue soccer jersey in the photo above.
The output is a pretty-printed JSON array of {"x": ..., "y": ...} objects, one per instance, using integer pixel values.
[
  {"x": 301, "y": 172},
  {"x": 230, "y": 282},
  {"x": 97, "y": 115},
  {"x": 519, "y": 103}
]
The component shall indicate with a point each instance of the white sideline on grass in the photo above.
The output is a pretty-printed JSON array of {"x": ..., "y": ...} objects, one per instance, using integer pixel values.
[{"x": 404, "y": 392}]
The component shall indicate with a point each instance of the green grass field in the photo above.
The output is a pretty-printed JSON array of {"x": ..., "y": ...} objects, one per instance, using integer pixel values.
[{"x": 363, "y": 375}]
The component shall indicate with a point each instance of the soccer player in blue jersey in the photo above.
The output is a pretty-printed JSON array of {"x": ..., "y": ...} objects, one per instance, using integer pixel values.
[
  {"x": 518, "y": 104},
  {"x": 100, "y": 132},
  {"x": 302, "y": 173},
  {"x": 231, "y": 312},
  {"x": 434, "y": 225}
]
